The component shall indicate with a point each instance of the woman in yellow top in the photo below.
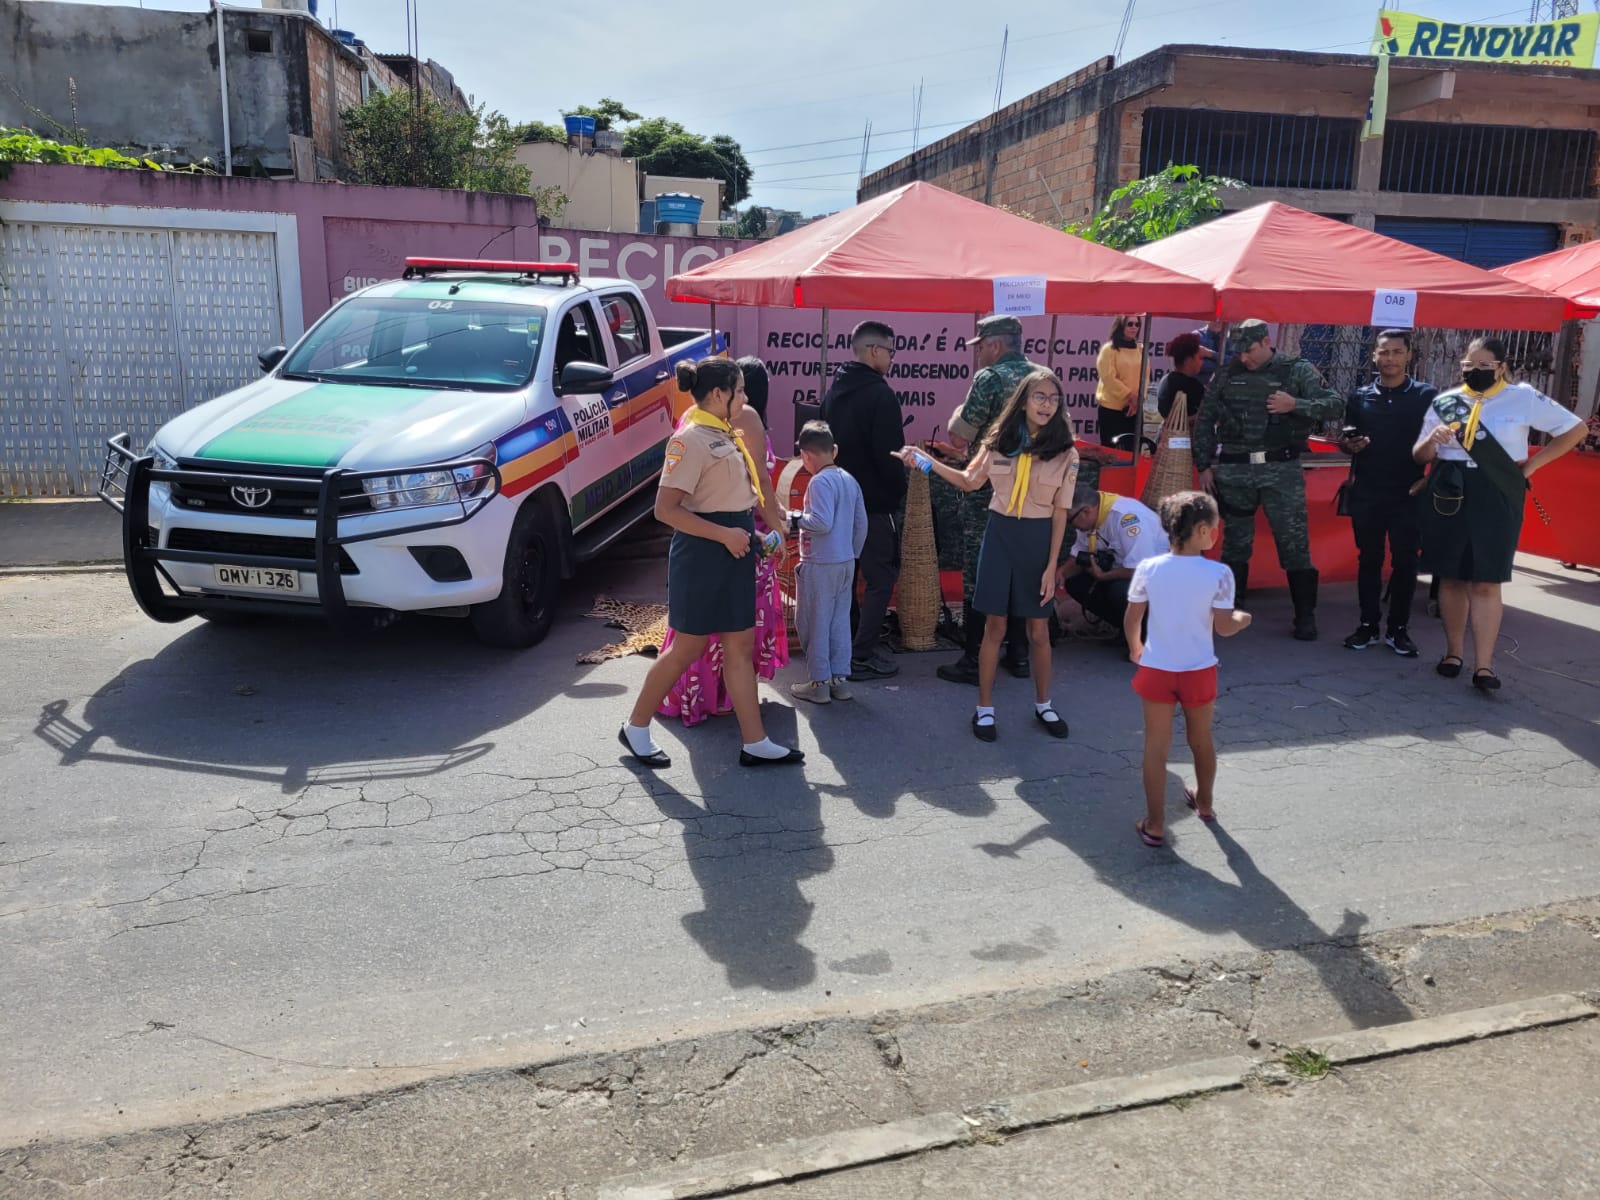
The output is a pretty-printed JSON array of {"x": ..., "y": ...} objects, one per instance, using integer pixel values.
[
  {"x": 1120, "y": 368},
  {"x": 1028, "y": 456},
  {"x": 709, "y": 489}
]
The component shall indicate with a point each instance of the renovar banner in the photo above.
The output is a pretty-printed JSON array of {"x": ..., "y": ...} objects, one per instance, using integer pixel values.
[{"x": 1568, "y": 42}]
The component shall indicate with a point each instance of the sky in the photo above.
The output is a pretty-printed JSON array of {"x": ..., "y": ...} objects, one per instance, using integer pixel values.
[{"x": 797, "y": 84}]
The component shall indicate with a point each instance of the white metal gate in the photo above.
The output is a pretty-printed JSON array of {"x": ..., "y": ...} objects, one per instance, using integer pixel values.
[{"x": 106, "y": 328}]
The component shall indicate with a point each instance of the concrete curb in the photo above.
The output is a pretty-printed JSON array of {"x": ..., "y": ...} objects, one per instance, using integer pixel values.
[
  {"x": 88, "y": 568},
  {"x": 732, "y": 1173}
]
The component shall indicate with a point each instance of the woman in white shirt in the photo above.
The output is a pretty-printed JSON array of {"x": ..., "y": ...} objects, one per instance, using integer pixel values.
[{"x": 1472, "y": 509}]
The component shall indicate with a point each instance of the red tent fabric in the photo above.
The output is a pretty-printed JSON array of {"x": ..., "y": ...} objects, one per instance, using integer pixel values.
[
  {"x": 1280, "y": 263},
  {"x": 1573, "y": 273},
  {"x": 920, "y": 248}
]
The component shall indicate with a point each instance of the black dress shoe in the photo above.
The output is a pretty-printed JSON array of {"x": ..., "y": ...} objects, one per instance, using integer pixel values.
[
  {"x": 658, "y": 758},
  {"x": 746, "y": 759},
  {"x": 1018, "y": 667},
  {"x": 984, "y": 733},
  {"x": 963, "y": 670},
  {"x": 1056, "y": 728}
]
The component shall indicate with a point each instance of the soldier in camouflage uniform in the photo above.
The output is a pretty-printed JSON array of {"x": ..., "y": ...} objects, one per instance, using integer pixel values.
[
  {"x": 1001, "y": 369},
  {"x": 1253, "y": 425}
]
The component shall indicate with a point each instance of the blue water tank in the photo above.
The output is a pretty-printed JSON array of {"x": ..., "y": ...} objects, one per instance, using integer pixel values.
[
  {"x": 580, "y": 126},
  {"x": 678, "y": 208},
  {"x": 345, "y": 36}
]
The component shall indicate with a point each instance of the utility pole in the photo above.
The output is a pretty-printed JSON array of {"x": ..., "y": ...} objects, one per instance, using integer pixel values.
[
  {"x": 1000, "y": 77},
  {"x": 1551, "y": 10}
]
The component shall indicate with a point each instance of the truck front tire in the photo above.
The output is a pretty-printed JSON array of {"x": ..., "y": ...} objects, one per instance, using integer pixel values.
[{"x": 522, "y": 613}]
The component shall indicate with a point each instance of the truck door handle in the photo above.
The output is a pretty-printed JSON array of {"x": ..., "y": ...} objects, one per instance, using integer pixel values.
[{"x": 663, "y": 376}]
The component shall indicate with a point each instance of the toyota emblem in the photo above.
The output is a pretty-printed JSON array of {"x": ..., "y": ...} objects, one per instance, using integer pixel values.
[{"x": 252, "y": 497}]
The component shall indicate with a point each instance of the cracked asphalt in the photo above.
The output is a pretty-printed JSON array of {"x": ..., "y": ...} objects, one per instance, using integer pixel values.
[{"x": 242, "y": 867}]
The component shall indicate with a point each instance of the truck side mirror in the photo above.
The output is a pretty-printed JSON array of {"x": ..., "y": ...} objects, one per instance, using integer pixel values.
[
  {"x": 578, "y": 378},
  {"x": 271, "y": 357}
]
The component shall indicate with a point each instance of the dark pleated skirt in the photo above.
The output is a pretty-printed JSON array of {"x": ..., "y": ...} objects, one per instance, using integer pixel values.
[
  {"x": 708, "y": 589},
  {"x": 1011, "y": 564},
  {"x": 1476, "y": 544}
]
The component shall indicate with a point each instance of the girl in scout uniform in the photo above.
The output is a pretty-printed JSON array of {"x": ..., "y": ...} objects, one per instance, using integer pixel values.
[
  {"x": 1028, "y": 456},
  {"x": 1472, "y": 509},
  {"x": 709, "y": 489}
]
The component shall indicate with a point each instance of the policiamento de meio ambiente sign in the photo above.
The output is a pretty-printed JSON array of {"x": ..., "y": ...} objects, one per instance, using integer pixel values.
[{"x": 1568, "y": 42}]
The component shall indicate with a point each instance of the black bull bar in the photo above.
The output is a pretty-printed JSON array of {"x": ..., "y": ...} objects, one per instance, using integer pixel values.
[{"x": 125, "y": 483}]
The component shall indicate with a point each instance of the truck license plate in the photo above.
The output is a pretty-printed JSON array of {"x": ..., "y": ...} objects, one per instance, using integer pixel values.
[{"x": 258, "y": 578}]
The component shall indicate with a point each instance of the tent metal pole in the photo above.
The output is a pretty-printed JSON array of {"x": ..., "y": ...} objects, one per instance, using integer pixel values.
[
  {"x": 822, "y": 379},
  {"x": 713, "y": 351}
]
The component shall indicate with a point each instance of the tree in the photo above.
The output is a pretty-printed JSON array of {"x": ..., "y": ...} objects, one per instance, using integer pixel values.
[
  {"x": 606, "y": 114},
  {"x": 540, "y": 131},
  {"x": 1151, "y": 208},
  {"x": 396, "y": 139},
  {"x": 737, "y": 173},
  {"x": 752, "y": 223},
  {"x": 643, "y": 138}
]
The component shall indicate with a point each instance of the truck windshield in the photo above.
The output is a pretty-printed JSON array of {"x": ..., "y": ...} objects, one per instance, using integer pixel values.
[{"x": 445, "y": 343}]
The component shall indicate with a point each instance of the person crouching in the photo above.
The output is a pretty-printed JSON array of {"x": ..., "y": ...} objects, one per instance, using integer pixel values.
[{"x": 1028, "y": 455}]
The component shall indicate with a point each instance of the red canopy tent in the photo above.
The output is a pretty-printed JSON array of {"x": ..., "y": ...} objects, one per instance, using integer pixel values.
[
  {"x": 1573, "y": 273},
  {"x": 920, "y": 248},
  {"x": 1279, "y": 263}
]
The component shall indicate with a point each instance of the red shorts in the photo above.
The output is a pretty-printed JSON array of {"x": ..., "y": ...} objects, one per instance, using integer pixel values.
[{"x": 1190, "y": 689}]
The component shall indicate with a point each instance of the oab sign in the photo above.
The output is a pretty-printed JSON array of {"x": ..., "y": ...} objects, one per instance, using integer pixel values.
[{"x": 1569, "y": 42}]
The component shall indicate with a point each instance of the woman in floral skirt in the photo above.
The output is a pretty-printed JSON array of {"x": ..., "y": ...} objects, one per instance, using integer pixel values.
[{"x": 699, "y": 692}]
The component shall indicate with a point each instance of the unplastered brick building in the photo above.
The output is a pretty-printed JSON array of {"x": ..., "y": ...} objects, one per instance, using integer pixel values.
[{"x": 1485, "y": 162}]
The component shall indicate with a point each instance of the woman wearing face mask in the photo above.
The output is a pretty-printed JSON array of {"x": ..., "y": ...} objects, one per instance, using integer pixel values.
[
  {"x": 1472, "y": 508},
  {"x": 709, "y": 488},
  {"x": 1027, "y": 454}
]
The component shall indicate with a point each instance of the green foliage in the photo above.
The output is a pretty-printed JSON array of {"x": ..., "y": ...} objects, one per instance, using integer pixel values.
[
  {"x": 552, "y": 202},
  {"x": 395, "y": 140},
  {"x": 540, "y": 131},
  {"x": 643, "y": 138},
  {"x": 23, "y": 145},
  {"x": 1151, "y": 208},
  {"x": 752, "y": 223},
  {"x": 1307, "y": 1064},
  {"x": 606, "y": 114}
]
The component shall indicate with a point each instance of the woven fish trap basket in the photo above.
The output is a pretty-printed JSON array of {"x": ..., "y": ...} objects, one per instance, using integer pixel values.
[
  {"x": 918, "y": 589},
  {"x": 1173, "y": 469}
]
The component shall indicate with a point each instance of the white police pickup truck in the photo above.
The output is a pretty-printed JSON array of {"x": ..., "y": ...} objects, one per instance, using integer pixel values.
[{"x": 454, "y": 442}]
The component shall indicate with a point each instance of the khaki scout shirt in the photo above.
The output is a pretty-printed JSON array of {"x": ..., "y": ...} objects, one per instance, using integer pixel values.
[
  {"x": 706, "y": 463},
  {"x": 1050, "y": 484}
]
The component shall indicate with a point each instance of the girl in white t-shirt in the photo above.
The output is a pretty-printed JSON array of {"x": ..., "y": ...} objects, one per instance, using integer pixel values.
[{"x": 1188, "y": 597}]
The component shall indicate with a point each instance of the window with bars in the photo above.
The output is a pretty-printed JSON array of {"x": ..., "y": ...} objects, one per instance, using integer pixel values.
[
  {"x": 1488, "y": 160},
  {"x": 1273, "y": 150}
]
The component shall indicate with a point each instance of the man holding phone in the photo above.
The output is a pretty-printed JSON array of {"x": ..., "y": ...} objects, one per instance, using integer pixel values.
[{"x": 1383, "y": 421}]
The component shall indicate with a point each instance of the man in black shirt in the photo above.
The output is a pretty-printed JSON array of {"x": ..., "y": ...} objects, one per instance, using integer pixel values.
[
  {"x": 864, "y": 414},
  {"x": 1383, "y": 421},
  {"x": 1184, "y": 378}
]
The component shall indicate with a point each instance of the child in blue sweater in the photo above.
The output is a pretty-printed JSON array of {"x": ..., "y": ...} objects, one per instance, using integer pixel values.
[{"x": 832, "y": 529}]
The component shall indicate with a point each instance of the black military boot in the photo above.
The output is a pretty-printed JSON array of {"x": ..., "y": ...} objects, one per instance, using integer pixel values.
[
  {"x": 1303, "y": 591},
  {"x": 1241, "y": 581},
  {"x": 965, "y": 668},
  {"x": 1016, "y": 657}
]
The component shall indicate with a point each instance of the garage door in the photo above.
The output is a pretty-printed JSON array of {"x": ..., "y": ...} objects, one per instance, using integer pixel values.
[
  {"x": 1486, "y": 244},
  {"x": 105, "y": 330}
]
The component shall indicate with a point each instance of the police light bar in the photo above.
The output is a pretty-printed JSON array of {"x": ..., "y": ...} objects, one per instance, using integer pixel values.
[{"x": 489, "y": 266}]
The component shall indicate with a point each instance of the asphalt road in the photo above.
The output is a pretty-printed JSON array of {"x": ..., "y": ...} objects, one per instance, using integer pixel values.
[{"x": 239, "y": 866}]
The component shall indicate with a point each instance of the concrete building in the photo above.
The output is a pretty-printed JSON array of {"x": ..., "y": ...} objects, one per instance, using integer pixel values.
[
  {"x": 602, "y": 189},
  {"x": 1485, "y": 162},
  {"x": 154, "y": 81}
]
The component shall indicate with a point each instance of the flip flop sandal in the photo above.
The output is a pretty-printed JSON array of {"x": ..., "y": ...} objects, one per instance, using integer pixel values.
[
  {"x": 1192, "y": 801},
  {"x": 1485, "y": 680},
  {"x": 1449, "y": 666},
  {"x": 1145, "y": 837}
]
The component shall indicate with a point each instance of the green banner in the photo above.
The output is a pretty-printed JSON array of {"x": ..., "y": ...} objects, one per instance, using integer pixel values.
[{"x": 1567, "y": 42}]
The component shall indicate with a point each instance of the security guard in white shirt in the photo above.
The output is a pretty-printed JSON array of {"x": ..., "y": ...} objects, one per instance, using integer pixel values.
[{"x": 1115, "y": 534}]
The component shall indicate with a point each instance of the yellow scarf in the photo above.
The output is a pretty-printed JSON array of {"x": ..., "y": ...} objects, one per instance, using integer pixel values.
[
  {"x": 699, "y": 416},
  {"x": 1470, "y": 434},
  {"x": 1107, "y": 499},
  {"x": 1019, "y": 484}
]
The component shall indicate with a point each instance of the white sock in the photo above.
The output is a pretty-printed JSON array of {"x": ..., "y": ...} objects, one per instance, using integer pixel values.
[
  {"x": 985, "y": 714},
  {"x": 639, "y": 740},
  {"x": 766, "y": 748},
  {"x": 1046, "y": 707}
]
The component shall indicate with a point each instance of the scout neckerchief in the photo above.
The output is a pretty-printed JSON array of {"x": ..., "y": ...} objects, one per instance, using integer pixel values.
[
  {"x": 699, "y": 416},
  {"x": 1019, "y": 483},
  {"x": 1107, "y": 499},
  {"x": 1497, "y": 465}
]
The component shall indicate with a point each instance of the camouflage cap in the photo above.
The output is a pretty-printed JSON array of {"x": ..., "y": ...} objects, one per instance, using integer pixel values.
[
  {"x": 1248, "y": 333},
  {"x": 998, "y": 326}
]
